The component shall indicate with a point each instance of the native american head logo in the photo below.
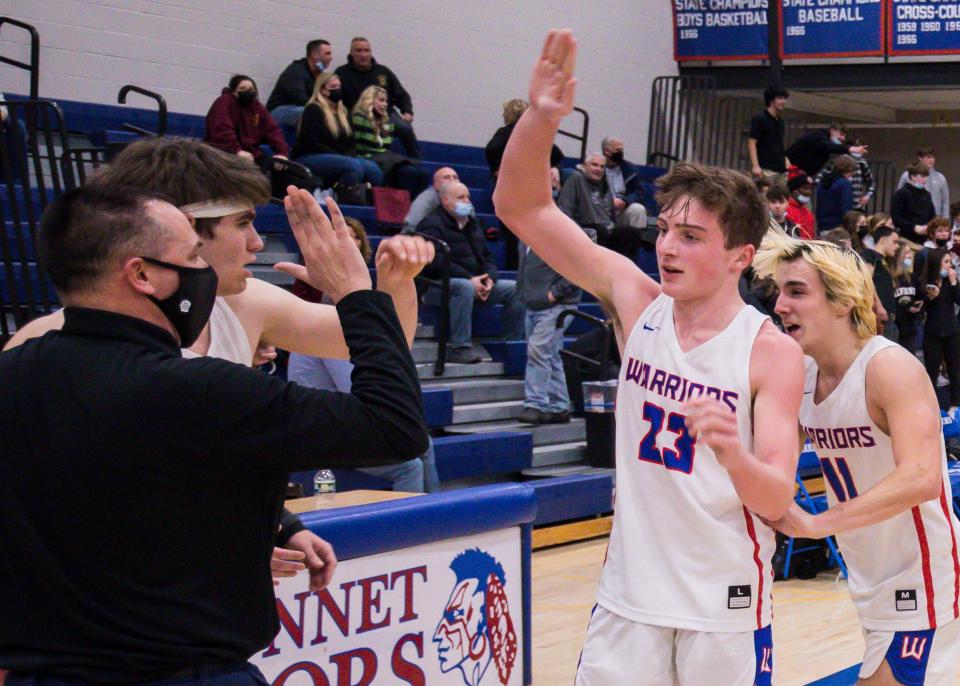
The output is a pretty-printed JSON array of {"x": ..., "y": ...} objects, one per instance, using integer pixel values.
[{"x": 476, "y": 628}]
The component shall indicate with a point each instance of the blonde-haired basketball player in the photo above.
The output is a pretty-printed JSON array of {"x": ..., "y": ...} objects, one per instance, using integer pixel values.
[
  {"x": 871, "y": 414},
  {"x": 706, "y": 409}
]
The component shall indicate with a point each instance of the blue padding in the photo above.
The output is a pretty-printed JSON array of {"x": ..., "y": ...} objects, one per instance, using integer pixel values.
[
  {"x": 572, "y": 497},
  {"x": 483, "y": 454},
  {"x": 366, "y": 530},
  {"x": 437, "y": 406},
  {"x": 809, "y": 464},
  {"x": 846, "y": 677},
  {"x": 513, "y": 355}
]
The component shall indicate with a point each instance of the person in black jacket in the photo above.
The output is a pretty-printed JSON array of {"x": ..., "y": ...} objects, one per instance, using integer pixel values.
[
  {"x": 812, "y": 150},
  {"x": 885, "y": 247},
  {"x": 293, "y": 88},
  {"x": 908, "y": 305},
  {"x": 325, "y": 139},
  {"x": 362, "y": 71},
  {"x": 473, "y": 272},
  {"x": 512, "y": 110},
  {"x": 912, "y": 206},
  {"x": 937, "y": 286},
  {"x": 179, "y": 585}
]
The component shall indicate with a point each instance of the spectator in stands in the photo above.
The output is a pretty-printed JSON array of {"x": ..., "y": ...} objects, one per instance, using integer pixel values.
[
  {"x": 295, "y": 85},
  {"x": 418, "y": 475},
  {"x": 937, "y": 287},
  {"x": 167, "y": 581},
  {"x": 624, "y": 180},
  {"x": 239, "y": 123},
  {"x": 765, "y": 145},
  {"x": 835, "y": 194},
  {"x": 373, "y": 133},
  {"x": 586, "y": 197},
  {"x": 512, "y": 110},
  {"x": 864, "y": 185},
  {"x": 936, "y": 182},
  {"x": 778, "y": 201},
  {"x": 838, "y": 236},
  {"x": 473, "y": 273},
  {"x": 812, "y": 150},
  {"x": 325, "y": 140},
  {"x": 954, "y": 220},
  {"x": 912, "y": 207},
  {"x": 545, "y": 294},
  {"x": 429, "y": 200},
  {"x": 938, "y": 234},
  {"x": 875, "y": 221},
  {"x": 798, "y": 210},
  {"x": 362, "y": 71},
  {"x": 884, "y": 250},
  {"x": 855, "y": 223},
  {"x": 908, "y": 305}
]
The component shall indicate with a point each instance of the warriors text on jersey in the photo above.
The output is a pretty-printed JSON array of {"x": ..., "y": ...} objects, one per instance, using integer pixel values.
[
  {"x": 904, "y": 571},
  {"x": 684, "y": 551}
]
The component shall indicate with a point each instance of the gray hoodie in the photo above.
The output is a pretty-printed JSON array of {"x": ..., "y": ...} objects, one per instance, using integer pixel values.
[{"x": 535, "y": 278}]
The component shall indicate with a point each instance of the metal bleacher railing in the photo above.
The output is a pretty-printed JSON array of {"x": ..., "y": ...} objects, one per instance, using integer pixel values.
[{"x": 584, "y": 132}]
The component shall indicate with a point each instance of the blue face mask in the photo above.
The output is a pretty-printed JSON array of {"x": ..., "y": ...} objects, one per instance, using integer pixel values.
[
  {"x": 463, "y": 209},
  {"x": 319, "y": 66},
  {"x": 944, "y": 273},
  {"x": 920, "y": 185},
  {"x": 908, "y": 262}
]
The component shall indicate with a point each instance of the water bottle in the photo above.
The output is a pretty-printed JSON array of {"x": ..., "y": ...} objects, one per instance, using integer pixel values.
[{"x": 324, "y": 482}]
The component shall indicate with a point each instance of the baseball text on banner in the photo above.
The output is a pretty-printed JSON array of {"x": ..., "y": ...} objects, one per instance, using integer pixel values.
[
  {"x": 831, "y": 28},
  {"x": 923, "y": 27},
  {"x": 720, "y": 29},
  {"x": 445, "y": 614}
]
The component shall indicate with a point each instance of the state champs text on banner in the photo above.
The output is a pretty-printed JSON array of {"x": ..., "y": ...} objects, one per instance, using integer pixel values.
[{"x": 720, "y": 30}]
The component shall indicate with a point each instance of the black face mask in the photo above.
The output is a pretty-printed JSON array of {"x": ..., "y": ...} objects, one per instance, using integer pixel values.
[
  {"x": 246, "y": 97},
  {"x": 189, "y": 307},
  {"x": 617, "y": 156},
  {"x": 336, "y": 95},
  {"x": 941, "y": 243}
]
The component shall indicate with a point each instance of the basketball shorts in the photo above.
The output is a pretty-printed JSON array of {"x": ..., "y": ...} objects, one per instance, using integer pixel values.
[
  {"x": 916, "y": 658},
  {"x": 619, "y": 651}
]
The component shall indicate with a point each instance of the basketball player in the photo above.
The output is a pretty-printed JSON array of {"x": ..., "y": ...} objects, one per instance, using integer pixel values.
[
  {"x": 708, "y": 393},
  {"x": 872, "y": 416},
  {"x": 220, "y": 191}
]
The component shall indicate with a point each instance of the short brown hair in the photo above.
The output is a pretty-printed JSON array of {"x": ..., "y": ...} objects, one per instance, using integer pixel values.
[
  {"x": 187, "y": 171},
  {"x": 365, "y": 249},
  {"x": 925, "y": 150},
  {"x": 838, "y": 236},
  {"x": 730, "y": 194},
  {"x": 918, "y": 169},
  {"x": 937, "y": 223},
  {"x": 844, "y": 165},
  {"x": 778, "y": 191}
]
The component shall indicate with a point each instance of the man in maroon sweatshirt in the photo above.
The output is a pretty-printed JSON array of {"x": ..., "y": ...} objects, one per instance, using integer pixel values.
[{"x": 239, "y": 123}]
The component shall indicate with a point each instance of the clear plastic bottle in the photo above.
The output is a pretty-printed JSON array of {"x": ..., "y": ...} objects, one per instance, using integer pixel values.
[{"x": 324, "y": 482}]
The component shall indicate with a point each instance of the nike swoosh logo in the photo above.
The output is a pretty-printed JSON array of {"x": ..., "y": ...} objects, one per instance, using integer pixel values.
[{"x": 648, "y": 328}]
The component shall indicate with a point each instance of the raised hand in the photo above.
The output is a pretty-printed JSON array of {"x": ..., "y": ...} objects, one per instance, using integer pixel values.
[
  {"x": 552, "y": 85},
  {"x": 332, "y": 263},
  {"x": 401, "y": 258}
]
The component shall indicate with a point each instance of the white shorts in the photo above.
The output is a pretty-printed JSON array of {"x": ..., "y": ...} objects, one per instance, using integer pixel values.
[
  {"x": 916, "y": 658},
  {"x": 619, "y": 651}
]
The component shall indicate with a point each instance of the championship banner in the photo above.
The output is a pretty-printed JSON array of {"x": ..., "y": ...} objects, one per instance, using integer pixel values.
[
  {"x": 923, "y": 27},
  {"x": 444, "y": 614},
  {"x": 831, "y": 28},
  {"x": 720, "y": 30}
]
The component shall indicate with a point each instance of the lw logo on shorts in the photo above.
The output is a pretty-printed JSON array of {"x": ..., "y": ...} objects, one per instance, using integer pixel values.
[
  {"x": 913, "y": 646},
  {"x": 739, "y": 597},
  {"x": 476, "y": 628},
  {"x": 906, "y": 600}
]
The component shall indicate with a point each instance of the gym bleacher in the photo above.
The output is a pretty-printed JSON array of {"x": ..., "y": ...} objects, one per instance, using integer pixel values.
[{"x": 472, "y": 410}]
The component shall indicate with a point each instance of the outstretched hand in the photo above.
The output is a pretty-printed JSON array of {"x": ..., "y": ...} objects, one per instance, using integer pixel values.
[
  {"x": 332, "y": 263},
  {"x": 402, "y": 258},
  {"x": 552, "y": 85}
]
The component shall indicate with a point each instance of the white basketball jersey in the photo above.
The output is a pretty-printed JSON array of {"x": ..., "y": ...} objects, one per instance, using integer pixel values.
[
  {"x": 684, "y": 552},
  {"x": 904, "y": 572}
]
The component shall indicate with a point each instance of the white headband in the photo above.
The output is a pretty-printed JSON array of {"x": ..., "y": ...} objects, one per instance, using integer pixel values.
[{"x": 216, "y": 208}]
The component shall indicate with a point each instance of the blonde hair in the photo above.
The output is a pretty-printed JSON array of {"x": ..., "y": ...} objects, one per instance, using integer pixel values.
[
  {"x": 364, "y": 106},
  {"x": 842, "y": 272},
  {"x": 512, "y": 109},
  {"x": 335, "y": 116}
]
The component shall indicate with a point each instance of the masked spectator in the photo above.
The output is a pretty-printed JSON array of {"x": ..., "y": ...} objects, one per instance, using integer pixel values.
[
  {"x": 798, "y": 207},
  {"x": 239, "y": 123},
  {"x": 325, "y": 139},
  {"x": 936, "y": 184},
  {"x": 912, "y": 207},
  {"x": 295, "y": 85},
  {"x": 812, "y": 150},
  {"x": 864, "y": 185}
]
